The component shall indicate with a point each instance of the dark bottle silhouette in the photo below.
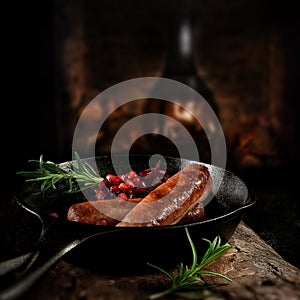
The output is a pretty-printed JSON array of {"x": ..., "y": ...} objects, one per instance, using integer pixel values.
[
  {"x": 181, "y": 40},
  {"x": 180, "y": 65}
]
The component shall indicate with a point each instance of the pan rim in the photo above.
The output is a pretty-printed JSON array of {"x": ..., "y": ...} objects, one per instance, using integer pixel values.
[{"x": 248, "y": 202}]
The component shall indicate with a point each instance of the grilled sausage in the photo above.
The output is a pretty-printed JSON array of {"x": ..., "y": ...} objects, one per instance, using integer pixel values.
[
  {"x": 90, "y": 212},
  {"x": 94, "y": 212},
  {"x": 170, "y": 201}
]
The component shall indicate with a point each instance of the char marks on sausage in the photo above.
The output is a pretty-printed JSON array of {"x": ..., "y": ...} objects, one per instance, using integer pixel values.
[{"x": 170, "y": 201}]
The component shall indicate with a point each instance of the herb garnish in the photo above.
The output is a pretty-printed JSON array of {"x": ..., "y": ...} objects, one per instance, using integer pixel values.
[
  {"x": 187, "y": 279},
  {"x": 49, "y": 174}
]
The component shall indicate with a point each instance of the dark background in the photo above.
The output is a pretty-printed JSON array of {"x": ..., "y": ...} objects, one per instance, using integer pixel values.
[{"x": 35, "y": 111}]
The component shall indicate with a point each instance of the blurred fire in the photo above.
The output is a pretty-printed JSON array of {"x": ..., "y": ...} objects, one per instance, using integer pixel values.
[
  {"x": 255, "y": 144},
  {"x": 248, "y": 77}
]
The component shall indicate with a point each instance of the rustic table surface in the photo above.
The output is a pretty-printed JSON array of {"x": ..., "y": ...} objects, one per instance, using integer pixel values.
[{"x": 257, "y": 271}]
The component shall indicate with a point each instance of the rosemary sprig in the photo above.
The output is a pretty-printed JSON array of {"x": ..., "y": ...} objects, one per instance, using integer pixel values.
[
  {"x": 49, "y": 174},
  {"x": 187, "y": 279}
]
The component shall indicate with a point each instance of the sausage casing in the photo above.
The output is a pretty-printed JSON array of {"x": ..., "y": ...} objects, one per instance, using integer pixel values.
[
  {"x": 170, "y": 201},
  {"x": 95, "y": 212}
]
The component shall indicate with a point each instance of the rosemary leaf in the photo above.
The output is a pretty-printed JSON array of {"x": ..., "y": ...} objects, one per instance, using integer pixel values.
[
  {"x": 48, "y": 174},
  {"x": 188, "y": 279}
]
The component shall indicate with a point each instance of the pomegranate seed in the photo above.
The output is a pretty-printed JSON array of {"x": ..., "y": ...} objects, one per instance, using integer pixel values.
[
  {"x": 138, "y": 182},
  {"x": 123, "y": 196},
  {"x": 145, "y": 172},
  {"x": 53, "y": 214},
  {"x": 114, "y": 189},
  {"x": 101, "y": 222},
  {"x": 122, "y": 177},
  {"x": 124, "y": 186},
  {"x": 131, "y": 174},
  {"x": 166, "y": 177},
  {"x": 157, "y": 165},
  {"x": 128, "y": 181},
  {"x": 113, "y": 179},
  {"x": 130, "y": 193}
]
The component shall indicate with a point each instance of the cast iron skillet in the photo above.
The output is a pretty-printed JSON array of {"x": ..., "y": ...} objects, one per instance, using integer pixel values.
[{"x": 122, "y": 250}]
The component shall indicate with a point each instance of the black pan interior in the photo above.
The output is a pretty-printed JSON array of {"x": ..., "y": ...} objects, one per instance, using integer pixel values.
[{"x": 232, "y": 193}]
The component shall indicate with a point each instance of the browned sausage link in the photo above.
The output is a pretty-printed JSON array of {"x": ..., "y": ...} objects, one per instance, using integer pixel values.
[
  {"x": 87, "y": 212},
  {"x": 90, "y": 212},
  {"x": 170, "y": 201}
]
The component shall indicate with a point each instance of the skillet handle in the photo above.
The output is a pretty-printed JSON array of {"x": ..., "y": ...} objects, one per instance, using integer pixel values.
[
  {"x": 13, "y": 264},
  {"x": 55, "y": 242}
]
